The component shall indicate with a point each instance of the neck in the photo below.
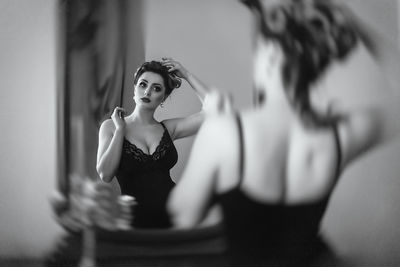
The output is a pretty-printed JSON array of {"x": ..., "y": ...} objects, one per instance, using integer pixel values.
[{"x": 142, "y": 115}]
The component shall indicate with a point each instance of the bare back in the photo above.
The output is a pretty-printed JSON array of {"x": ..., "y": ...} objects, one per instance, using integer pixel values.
[{"x": 284, "y": 161}]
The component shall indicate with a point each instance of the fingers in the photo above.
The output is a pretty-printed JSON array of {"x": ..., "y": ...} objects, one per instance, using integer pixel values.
[
  {"x": 227, "y": 103},
  {"x": 118, "y": 118},
  {"x": 217, "y": 102},
  {"x": 172, "y": 69},
  {"x": 168, "y": 61},
  {"x": 171, "y": 64},
  {"x": 119, "y": 111},
  {"x": 212, "y": 102}
]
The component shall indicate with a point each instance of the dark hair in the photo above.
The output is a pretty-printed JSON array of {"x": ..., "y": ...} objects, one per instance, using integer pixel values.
[
  {"x": 312, "y": 34},
  {"x": 171, "y": 81}
]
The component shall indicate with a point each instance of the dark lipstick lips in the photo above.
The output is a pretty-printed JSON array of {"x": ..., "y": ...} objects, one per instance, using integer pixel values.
[{"x": 145, "y": 99}]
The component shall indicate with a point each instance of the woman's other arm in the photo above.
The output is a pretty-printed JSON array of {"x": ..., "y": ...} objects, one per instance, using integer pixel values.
[
  {"x": 364, "y": 129},
  {"x": 384, "y": 50},
  {"x": 214, "y": 103},
  {"x": 111, "y": 137},
  {"x": 187, "y": 126}
]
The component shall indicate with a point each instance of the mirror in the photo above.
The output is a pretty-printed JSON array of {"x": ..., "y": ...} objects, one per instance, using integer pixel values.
[
  {"x": 100, "y": 46},
  {"x": 102, "y": 43}
]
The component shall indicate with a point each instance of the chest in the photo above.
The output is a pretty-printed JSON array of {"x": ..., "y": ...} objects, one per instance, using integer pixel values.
[
  {"x": 147, "y": 139},
  {"x": 134, "y": 160}
]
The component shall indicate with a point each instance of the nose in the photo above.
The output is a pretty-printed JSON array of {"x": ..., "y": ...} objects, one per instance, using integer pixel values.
[{"x": 147, "y": 92}]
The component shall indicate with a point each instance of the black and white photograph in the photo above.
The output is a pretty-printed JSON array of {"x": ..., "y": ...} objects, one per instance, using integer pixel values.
[{"x": 188, "y": 133}]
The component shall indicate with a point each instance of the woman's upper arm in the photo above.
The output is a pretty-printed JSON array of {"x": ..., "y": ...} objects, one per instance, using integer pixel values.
[
  {"x": 184, "y": 127},
  {"x": 105, "y": 136},
  {"x": 215, "y": 103},
  {"x": 190, "y": 199},
  {"x": 361, "y": 131}
]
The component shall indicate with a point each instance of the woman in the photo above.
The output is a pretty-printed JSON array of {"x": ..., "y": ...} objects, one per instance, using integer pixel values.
[
  {"x": 277, "y": 165},
  {"x": 138, "y": 149}
]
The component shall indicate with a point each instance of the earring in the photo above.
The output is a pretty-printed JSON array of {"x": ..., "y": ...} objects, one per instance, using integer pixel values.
[{"x": 162, "y": 104}]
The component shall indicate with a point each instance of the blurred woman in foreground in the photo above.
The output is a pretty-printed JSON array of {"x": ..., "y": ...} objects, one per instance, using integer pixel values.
[{"x": 276, "y": 166}]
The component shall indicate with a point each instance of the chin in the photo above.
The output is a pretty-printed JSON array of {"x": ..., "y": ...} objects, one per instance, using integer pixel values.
[{"x": 148, "y": 106}]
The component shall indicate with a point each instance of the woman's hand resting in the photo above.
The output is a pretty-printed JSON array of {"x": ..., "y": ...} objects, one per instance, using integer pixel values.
[
  {"x": 118, "y": 118},
  {"x": 217, "y": 102}
]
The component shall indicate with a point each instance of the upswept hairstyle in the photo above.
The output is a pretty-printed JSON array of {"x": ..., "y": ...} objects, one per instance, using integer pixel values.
[
  {"x": 313, "y": 34},
  {"x": 171, "y": 81}
]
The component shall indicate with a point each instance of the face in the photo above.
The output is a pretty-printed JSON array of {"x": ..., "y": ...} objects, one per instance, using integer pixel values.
[{"x": 149, "y": 90}]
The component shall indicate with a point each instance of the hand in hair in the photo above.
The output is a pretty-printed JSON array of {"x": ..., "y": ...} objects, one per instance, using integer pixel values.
[
  {"x": 175, "y": 67},
  {"x": 177, "y": 70}
]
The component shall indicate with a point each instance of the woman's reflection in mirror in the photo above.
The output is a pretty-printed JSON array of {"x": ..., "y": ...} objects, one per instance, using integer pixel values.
[{"x": 138, "y": 150}]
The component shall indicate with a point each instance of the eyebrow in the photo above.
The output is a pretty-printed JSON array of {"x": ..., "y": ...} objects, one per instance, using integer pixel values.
[{"x": 144, "y": 80}]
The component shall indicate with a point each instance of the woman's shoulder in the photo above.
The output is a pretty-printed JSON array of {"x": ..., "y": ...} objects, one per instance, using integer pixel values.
[
  {"x": 220, "y": 128},
  {"x": 107, "y": 126},
  {"x": 222, "y": 122}
]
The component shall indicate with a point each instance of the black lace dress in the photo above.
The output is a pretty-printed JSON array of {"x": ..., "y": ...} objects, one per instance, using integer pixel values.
[{"x": 147, "y": 178}]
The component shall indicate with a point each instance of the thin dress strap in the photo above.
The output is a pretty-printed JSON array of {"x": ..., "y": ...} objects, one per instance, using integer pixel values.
[
  {"x": 241, "y": 150},
  {"x": 338, "y": 149},
  {"x": 165, "y": 128}
]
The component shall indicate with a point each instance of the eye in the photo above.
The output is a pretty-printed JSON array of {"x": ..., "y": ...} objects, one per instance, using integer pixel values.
[
  {"x": 142, "y": 84},
  {"x": 157, "y": 89}
]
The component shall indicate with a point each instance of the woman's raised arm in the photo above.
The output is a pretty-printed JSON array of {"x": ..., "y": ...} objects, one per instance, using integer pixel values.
[
  {"x": 365, "y": 128},
  {"x": 211, "y": 99}
]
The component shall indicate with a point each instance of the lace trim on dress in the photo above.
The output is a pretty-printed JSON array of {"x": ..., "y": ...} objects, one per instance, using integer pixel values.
[{"x": 162, "y": 148}]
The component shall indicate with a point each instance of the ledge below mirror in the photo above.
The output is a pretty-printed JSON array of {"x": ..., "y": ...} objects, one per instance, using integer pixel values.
[{"x": 140, "y": 247}]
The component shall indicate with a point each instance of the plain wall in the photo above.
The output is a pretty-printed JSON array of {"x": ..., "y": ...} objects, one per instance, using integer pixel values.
[
  {"x": 213, "y": 40},
  {"x": 28, "y": 126}
]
